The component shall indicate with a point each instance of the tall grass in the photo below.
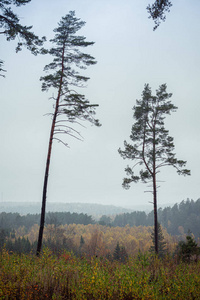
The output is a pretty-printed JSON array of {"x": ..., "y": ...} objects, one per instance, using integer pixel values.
[{"x": 27, "y": 277}]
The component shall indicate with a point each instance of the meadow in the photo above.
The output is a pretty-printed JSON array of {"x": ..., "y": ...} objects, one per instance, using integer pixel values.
[{"x": 65, "y": 276}]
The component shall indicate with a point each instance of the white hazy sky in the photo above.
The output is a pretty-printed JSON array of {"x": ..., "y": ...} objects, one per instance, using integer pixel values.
[{"x": 129, "y": 54}]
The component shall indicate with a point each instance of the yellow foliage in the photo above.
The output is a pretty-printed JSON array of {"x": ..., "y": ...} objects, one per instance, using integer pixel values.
[{"x": 101, "y": 240}]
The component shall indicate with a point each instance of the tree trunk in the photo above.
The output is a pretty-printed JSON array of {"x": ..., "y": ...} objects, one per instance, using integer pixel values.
[
  {"x": 155, "y": 191},
  {"x": 44, "y": 195},
  {"x": 155, "y": 213}
]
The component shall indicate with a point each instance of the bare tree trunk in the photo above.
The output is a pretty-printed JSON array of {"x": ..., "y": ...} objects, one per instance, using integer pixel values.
[
  {"x": 44, "y": 195},
  {"x": 155, "y": 192},
  {"x": 155, "y": 213}
]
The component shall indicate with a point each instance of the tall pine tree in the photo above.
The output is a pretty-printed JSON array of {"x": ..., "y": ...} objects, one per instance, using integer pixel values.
[
  {"x": 152, "y": 146},
  {"x": 63, "y": 75}
]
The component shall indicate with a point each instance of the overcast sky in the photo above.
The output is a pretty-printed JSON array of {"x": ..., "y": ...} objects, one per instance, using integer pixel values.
[{"x": 129, "y": 54}]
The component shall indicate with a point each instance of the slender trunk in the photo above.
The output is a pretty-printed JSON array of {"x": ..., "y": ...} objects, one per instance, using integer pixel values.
[
  {"x": 155, "y": 195},
  {"x": 153, "y": 174},
  {"x": 155, "y": 213},
  {"x": 44, "y": 195}
]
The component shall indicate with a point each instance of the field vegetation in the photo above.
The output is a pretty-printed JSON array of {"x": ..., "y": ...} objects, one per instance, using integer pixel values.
[
  {"x": 66, "y": 276},
  {"x": 95, "y": 261}
]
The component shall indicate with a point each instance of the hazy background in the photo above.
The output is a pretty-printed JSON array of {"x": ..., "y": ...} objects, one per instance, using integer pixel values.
[{"x": 129, "y": 54}]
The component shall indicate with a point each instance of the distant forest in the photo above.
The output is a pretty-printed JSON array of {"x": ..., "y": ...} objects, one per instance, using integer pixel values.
[
  {"x": 177, "y": 220},
  {"x": 15, "y": 220}
]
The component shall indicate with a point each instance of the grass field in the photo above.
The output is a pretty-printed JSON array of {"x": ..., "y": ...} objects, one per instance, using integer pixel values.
[{"x": 27, "y": 277}]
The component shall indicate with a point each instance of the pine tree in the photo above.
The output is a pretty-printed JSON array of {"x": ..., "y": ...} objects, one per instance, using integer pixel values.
[
  {"x": 82, "y": 242},
  {"x": 186, "y": 250},
  {"x": 152, "y": 147},
  {"x": 70, "y": 106},
  {"x": 161, "y": 242},
  {"x": 120, "y": 253},
  {"x": 116, "y": 254}
]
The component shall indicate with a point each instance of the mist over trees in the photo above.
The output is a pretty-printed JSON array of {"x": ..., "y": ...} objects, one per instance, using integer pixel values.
[
  {"x": 178, "y": 219},
  {"x": 123, "y": 235},
  {"x": 12, "y": 221}
]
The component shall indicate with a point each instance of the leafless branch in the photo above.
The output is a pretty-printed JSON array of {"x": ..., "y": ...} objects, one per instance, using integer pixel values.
[
  {"x": 80, "y": 139},
  {"x": 136, "y": 163},
  {"x": 68, "y": 133},
  {"x": 48, "y": 114},
  {"x": 60, "y": 141},
  {"x": 70, "y": 128},
  {"x": 75, "y": 122}
]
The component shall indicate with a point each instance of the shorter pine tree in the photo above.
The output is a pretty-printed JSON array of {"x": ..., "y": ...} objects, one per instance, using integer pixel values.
[
  {"x": 162, "y": 250},
  {"x": 120, "y": 253},
  {"x": 188, "y": 250}
]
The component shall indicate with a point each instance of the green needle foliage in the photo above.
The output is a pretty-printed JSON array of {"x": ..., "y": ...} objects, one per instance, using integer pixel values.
[
  {"x": 120, "y": 253},
  {"x": 12, "y": 28},
  {"x": 162, "y": 250},
  {"x": 63, "y": 75},
  {"x": 157, "y": 11},
  {"x": 152, "y": 146},
  {"x": 188, "y": 250}
]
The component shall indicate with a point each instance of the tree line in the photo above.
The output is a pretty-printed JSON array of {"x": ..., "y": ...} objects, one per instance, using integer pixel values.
[
  {"x": 177, "y": 220},
  {"x": 113, "y": 243},
  {"x": 10, "y": 221},
  {"x": 84, "y": 240}
]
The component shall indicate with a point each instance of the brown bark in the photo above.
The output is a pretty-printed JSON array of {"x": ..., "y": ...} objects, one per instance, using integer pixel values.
[
  {"x": 155, "y": 194},
  {"x": 155, "y": 213},
  {"x": 44, "y": 195}
]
